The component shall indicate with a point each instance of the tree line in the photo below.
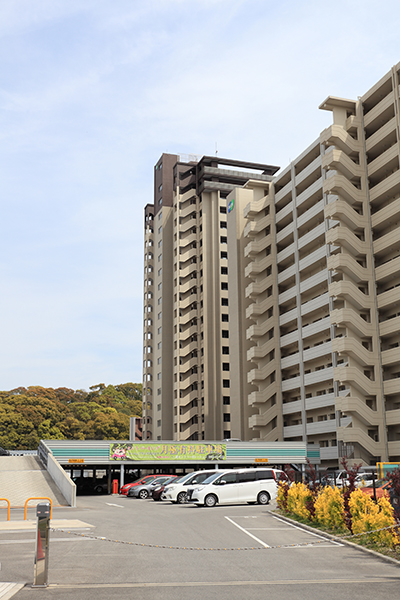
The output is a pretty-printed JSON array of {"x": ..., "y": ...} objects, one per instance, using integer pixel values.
[{"x": 28, "y": 415}]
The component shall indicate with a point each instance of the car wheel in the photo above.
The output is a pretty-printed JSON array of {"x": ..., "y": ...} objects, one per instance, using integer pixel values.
[
  {"x": 210, "y": 500},
  {"x": 263, "y": 498},
  {"x": 181, "y": 498},
  {"x": 143, "y": 494},
  {"x": 98, "y": 489}
]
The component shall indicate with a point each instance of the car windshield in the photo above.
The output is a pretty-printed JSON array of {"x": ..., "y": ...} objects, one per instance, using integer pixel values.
[{"x": 211, "y": 478}]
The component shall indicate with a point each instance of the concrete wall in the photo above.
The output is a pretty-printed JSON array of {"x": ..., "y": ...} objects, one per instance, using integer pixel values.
[{"x": 62, "y": 480}]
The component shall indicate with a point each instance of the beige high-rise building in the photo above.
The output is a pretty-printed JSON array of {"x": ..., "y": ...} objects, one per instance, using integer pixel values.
[
  {"x": 187, "y": 336},
  {"x": 314, "y": 263}
]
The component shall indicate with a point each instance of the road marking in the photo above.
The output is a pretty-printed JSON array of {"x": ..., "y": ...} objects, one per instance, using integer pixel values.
[
  {"x": 307, "y": 531},
  {"x": 118, "y": 505},
  {"x": 224, "y": 583},
  {"x": 247, "y": 533},
  {"x": 268, "y": 528}
]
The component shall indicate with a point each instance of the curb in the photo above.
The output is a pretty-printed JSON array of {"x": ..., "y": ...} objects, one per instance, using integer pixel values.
[{"x": 336, "y": 538}]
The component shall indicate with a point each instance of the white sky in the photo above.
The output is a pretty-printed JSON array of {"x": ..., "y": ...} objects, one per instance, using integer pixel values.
[{"x": 91, "y": 93}]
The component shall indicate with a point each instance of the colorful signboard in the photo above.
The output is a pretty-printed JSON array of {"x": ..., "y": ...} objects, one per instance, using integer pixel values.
[{"x": 167, "y": 452}]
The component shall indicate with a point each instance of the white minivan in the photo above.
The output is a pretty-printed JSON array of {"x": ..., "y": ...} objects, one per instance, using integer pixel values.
[
  {"x": 176, "y": 490},
  {"x": 237, "y": 485}
]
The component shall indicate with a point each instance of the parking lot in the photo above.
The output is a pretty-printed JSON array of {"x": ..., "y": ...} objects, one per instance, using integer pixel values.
[{"x": 150, "y": 548}]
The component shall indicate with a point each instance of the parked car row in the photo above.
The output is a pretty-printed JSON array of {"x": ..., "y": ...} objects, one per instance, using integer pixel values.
[{"x": 210, "y": 487}]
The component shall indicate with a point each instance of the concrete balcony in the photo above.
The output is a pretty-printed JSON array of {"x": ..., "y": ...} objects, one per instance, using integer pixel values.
[
  {"x": 355, "y": 377},
  {"x": 342, "y": 211},
  {"x": 311, "y": 237},
  {"x": 255, "y": 247},
  {"x": 287, "y": 273},
  {"x": 310, "y": 214},
  {"x": 338, "y": 160},
  {"x": 335, "y": 135},
  {"x": 256, "y": 375},
  {"x": 344, "y": 237},
  {"x": 314, "y": 281},
  {"x": 323, "y": 324},
  {"x": 353, "y": 405},
  {"x": 351, "y": 347},
  {"x": 313, "y": 190},
  {"x": 256, "y": 399},
  {"x": 320, "y": 401},
  {"x": 391, "y": 386},
  {"x": 284, "y": 192},
  {"x": 381, "y": 134},
  {"x": 252, "y": 209},
  {"x": 285, "y": 253},
  {"x": 314, "y": 166},
  {"x": 347, "y": 317},
  {"x": 256, "y": 331},
  {"x": 393, "y": 417},
  {"x": 264, "y": 418},
  {"x": 330, "y": 453},
  {"x": 378, "y": 109},
  {"x": 254, "y": 289},
  {"x": 394, "y": 448},
  {"x": 381, "y": 162},
  {"x": 318, "y": 256},
  {"x": 320, "y": 427},
  {"x": 255, "y": 309},
  {"x": 386, "y": 215},
  {"x": 391, "y": 357},
  {"x": 187, "y": 270},
  {"x": 258, "y": 266},
  {"x": 184, "y": 288},
  {"x": 286, "y": 211},
  {"x": 338, "y": 184},
  {"x": 386, "y": 188},
  {"x": 323, "y": 375},
  {"x": 290, "y": 408},
  {"x": 389, "y": 327},
  {"x": 291, "y": 384},
  {"x": 293, "y": 431},
  {"x": 388, "y": 271},
  {"x": 346, "y": 290},
  {"x": 389, "y": 298},
  {"x": 254, "y": 227},
  {"x": 387, "y": 243},
  {"x": 356, "y": 435},
  {"x": 284, "y": 233},
  {"x": 259, "y": 352}
]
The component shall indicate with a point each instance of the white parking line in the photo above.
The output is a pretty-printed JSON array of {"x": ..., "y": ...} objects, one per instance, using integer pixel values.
[
  {"x": 310, "y": 532},
  {"x": 247, "y": 533}
]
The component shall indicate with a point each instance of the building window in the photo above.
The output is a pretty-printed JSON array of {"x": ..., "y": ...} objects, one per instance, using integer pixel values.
[
  {"x": 225, "y": 349},
  {"x": 225, "y": 333},
  {"x": 227, "y": 417},
  {"x": 226, "y": 383},
  {"x": 225, "y": 318},
  {"x": 226, "y": 399},
  {"x": 223, "y": 239},
  {"x": 225, "y": 366},
  {"x": 223, "y": 224},
  {"x": 224, "y": 285},
  {"x": 224, "y": 302},
  {"x": 222, "y": 210},
  {"x": 224, "y": 270},
  {"x": 224, "y": 254}
]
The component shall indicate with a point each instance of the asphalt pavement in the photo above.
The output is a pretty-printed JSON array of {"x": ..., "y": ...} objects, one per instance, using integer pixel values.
[{"x": 113, "y": 546}]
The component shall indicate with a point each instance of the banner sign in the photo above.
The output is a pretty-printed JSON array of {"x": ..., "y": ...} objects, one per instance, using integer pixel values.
[{"x": 167, "y": 452}]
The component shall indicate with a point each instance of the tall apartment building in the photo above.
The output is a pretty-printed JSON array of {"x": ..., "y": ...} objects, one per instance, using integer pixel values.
[
  {"x": 187, "y": 339},
  {"x": 314, "y": 259}
]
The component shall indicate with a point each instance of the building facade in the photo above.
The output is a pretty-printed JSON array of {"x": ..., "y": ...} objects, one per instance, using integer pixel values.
[
  {"x": 186, "y": 343},
  {"x": 314, "y": 259}
]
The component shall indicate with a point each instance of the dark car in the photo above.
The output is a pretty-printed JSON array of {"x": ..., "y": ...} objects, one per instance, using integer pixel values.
[
  {"x": 4, "y": 452},
  {"x": 158, "y": 489},
  {"x": 90, "y": 485}
]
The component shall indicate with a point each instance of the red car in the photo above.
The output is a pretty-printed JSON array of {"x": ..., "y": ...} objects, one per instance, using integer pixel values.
[
  {"x": 143, "y": 480},
  {"x": 382, "y": 487}
]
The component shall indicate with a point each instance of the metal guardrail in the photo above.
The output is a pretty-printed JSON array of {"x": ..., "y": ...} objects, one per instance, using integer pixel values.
[
  {"x": 38, "y": 498},
  {"x": 8, "y": 508}
]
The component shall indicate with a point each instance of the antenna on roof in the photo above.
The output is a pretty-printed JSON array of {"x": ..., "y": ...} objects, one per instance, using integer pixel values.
[{"x": 216, "y": 149}]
